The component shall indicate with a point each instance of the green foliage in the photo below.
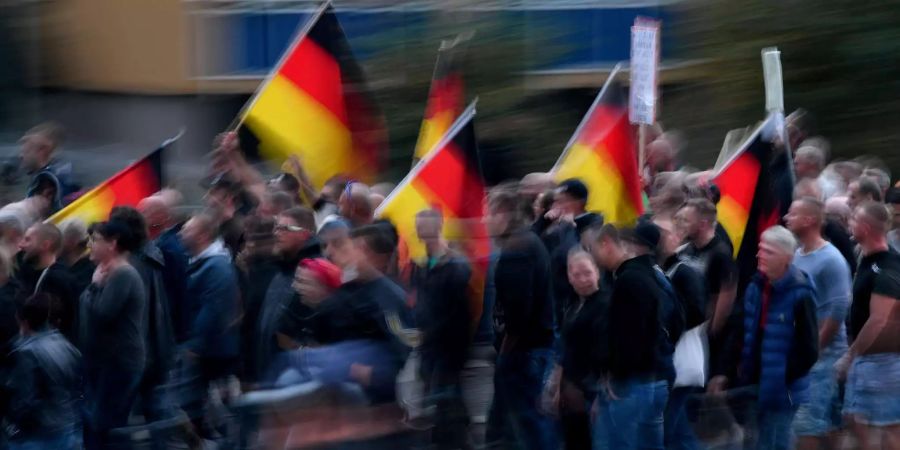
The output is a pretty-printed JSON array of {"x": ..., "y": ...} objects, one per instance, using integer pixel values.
[{"x": 840, "y": 62}]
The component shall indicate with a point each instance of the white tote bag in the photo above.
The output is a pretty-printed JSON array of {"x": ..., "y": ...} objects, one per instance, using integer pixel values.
[{"x": 691, "y": 358}]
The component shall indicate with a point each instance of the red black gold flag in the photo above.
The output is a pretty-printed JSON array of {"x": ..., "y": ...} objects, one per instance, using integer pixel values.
[
  {"x": 755, "y": 194},
  {"x": 603, "y": 155},
  {"x": 446, "y": 98},
  {"x": 315, "y": 105},
  {"x": 449, "y": 179},
  {"x": 126, "y": 188}
]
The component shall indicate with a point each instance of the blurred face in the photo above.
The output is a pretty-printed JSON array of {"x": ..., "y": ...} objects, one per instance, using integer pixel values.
[
  {"x": 102, "y": 249},
  {"x": 566, "y": 204},
  {"x": 289, "y": 237},
  {"x": 805, "y": 168},
  {"x": 895, "y": 215},
  {"x": 772, "y": 260},
  {"x": 602, "y": 251},
  {"x": 859, "y": 228},
  {"x": 797, "y": 219},
  {"x": 428, "y": 228},
  {"x": 670, "y": 239},
  {"x": 192, "y": 237},
  {"x": 687, "y": 223},
  {"x": 583, "y": 275},
  {"x": 496, "y": 221},
  {"x": 218, "y": 200},
  {"x": 308, "y": 286},
  {"x": 338, "y": 248},
  {"x": 31, "y": 246},
  {"x": 34, "y": 151},
  {"x": 854, "y": 197}
]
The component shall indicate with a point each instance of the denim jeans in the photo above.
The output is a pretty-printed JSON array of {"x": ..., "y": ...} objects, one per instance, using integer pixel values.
[
  {"x": 634, "y": 418},
  {"x": 775, "y": 430},
  {"x": 515, "y": 421},
  {"x": 64, "y": 440},
  {"x": 679, "y": 435}
]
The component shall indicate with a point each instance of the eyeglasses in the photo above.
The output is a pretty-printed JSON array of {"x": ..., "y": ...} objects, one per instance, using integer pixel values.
[{"x": 291, "y": 228}]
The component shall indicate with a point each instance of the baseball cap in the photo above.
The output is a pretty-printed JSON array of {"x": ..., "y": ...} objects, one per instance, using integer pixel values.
[{"x": 645, "y": 233}]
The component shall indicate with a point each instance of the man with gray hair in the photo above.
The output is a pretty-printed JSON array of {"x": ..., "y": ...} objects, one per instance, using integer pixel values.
[
  {"x": 809, "y": 162},
  {"x": 780, "y": 342},
  {"x": 74, "y": 253}
]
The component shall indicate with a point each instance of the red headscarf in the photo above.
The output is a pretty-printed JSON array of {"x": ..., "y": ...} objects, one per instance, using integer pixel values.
[{"x": 324, "y": 271}]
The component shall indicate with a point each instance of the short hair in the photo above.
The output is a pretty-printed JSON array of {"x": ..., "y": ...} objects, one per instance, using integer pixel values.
[
  {"x": 134, "y": 220},
  {"x": 74, "y": 229},
  {"x": 118, "y": 231},
  {"x": 815, "y": 206},
  {"x": 376, "y": 237},
  {"x": 281, "y": 200},
  {"x": 53, "y": 131},
  {"x": 781, "y": 238},
  {"x": 608, "y": 231},
  {"x": 49, "y": 232},
  {"x": 877, "y": 214},
  {"x": 704, "y": 207},
  {"x": 579, "y": 252},
  {"x": 302, "y": 216},
  {"x": 813, "y": 155},
  {"x": 869, "y": 187},
  {"x": 287, "y": 182},
  {"x": 35, "y": 311},
  {"x": 881, "y": 177}
]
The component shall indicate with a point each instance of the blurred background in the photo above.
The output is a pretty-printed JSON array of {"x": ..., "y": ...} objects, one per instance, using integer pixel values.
[{"x": 121, "y": 76}]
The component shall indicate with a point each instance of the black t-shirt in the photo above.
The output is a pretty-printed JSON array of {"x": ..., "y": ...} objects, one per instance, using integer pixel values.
[
  {"x": 715, "y": 262},
  {"x": 878, "y": 273}
]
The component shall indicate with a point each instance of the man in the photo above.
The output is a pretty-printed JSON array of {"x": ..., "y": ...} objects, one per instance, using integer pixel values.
[
  {"x": 281, "y": 316},
  {"x": 50, "y": 177},
  {"x": 780, "y": 342},
  {"x": 523, "y": 323},
  {"x": 227, "y": 199},
  {"x": 809, "y": 162},
  {"x": 872, "y": 401},
  {"x": 696, "y": 221},
  {"x": 162, "y": 231},
  {"x": 634, "y": 393},
  {"x": 441, "y": 287},
  {"x": 74, "y": 253},
  {"x": 149, "y": 262},
  {"x": 864, "y": 189},
  {"x": 40, "y": 272},
  {"x": 44, "y": 383},
  {"x": 257, "y": 264},
  {"x": 212, "y": 295},
  {"x": 830, "y": 274},
  {"x": 354, "y": 204}
]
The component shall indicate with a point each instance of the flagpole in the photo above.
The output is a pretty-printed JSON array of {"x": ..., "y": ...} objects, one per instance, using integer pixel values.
[
  {"x": 239, "y": 119},
  {"x": 466, "y": 115},
  {"x": 584, "y": 120}
]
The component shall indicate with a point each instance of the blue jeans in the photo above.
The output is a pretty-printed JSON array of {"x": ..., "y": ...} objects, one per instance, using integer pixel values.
[
  {"x": 515, "y": 421},
  {"x": 775, "y": 430},
  {"x": 634, "y": 419},
  {"x": 64, "y": 440},
  {"x": 679, "y": 435}
]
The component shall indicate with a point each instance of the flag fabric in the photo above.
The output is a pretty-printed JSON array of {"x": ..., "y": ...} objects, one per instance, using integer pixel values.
[
  {"x": 446, "y": 97},
  {"x": 315, "y": 105},
  {"x": 604, "y": 157},
  {"x": 755, "y": 193},
  {"x": 449, "y": 179},
  {"x": 126, "y": 188}
]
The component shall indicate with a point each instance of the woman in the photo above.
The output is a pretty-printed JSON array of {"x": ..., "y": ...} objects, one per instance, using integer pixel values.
[
  {"x": 572, "y": 384},
  {"x": 112, "y": 332}
]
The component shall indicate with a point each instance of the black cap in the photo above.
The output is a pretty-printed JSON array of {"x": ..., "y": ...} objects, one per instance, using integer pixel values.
[
  {"x": 574, "y": 188},
  {"x": 645, "y": 233}
]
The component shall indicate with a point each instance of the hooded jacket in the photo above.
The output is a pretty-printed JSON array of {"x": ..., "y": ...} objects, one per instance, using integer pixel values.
[{"x": 213, "y": 303}]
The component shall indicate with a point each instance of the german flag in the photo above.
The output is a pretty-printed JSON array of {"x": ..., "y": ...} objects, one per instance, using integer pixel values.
[
  {"x": 445, "y": 98},
  {"x": 315, "y": 105},
  {"x": 753, "y": 195},
  {"x": 603, "y": 156},
  {"x": 126, "y": 188},
  {"x": 449, "y": 179}
]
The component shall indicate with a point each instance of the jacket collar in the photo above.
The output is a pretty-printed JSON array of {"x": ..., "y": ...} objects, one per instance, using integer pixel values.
[{"x": 217, "y": 248}]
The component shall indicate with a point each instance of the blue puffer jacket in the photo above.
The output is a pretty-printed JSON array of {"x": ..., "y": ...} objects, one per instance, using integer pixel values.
[
  {"x": 213, "y": 297},
  {"x": 780, "y": 359}
]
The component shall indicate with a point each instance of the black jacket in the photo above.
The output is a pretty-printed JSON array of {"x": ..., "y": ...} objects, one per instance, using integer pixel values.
[
  {"x": 82, "y": 272},
  {"x": 57, "y": 283},
  {"x": 442, "y": 313},
  {"x": 634, "y": 324},
  {"x": 45, "y": 384},
  {"x": 523, "y": 308},
  {"x": 584, "y": 338},
  {"x": 691, "y": 289},
  {"x": 568, "y": 236},
  {"x": 160, "y": 339}
]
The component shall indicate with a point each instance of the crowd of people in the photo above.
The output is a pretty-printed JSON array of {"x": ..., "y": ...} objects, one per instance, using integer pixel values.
[{"x": 273, "y": 284}]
